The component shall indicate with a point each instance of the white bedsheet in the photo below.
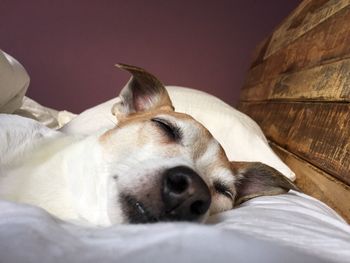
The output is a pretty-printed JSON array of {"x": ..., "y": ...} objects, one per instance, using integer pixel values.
[{"x": 284, "y": 228}]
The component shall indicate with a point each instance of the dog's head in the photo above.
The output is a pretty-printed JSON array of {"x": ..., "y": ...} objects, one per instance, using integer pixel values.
[{"x": 165, "y": 166}]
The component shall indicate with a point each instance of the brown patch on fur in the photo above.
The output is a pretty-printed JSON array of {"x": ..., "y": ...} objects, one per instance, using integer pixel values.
[
  {"x": 104, "y": 138},
  {"x": 224, "y": 162},
  {"x": 237, "y": 167},
  {"x": 201, "y": 146}
]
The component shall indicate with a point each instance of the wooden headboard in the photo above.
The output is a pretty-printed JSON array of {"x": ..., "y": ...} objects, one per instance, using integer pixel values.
[{"x": 298, "y": 90}]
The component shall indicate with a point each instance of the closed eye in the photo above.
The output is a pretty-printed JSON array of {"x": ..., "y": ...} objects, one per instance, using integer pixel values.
[
  {"x": 222, "y": 189},
  {"x": 171, "y": 131}
]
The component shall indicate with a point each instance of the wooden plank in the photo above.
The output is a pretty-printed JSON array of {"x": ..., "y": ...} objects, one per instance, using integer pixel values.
[
  {"x": 307, "y": 15},
  {"x": 259, "y": 52},
  {"x": 316, "y": 132},
  {"x": 317, "y": 183},
  {"x": 328, "y": 41},
  {"x": 330, "y": 82}
]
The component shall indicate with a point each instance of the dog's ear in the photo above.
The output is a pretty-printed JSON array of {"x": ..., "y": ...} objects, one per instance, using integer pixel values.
[
  {"x": 258, "y": 179},
  {"x": 142, "y": 93}
]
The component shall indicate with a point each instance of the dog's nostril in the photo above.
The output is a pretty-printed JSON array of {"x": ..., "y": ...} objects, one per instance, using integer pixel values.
[
  {"x": 185, "y": 194},
  {"x": 177, "y": 183},
  {"x": 199, "y": 207}
]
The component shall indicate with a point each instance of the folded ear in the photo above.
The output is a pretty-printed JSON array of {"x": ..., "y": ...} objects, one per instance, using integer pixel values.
[
  {"x": 258, "y": 179},
  {"x": 143, "y": 92}
]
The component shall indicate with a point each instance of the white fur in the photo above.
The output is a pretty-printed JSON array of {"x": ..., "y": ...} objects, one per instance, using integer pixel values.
[
  {"x": 72, "y": 176},
  {"x": 52, "y": 170}
]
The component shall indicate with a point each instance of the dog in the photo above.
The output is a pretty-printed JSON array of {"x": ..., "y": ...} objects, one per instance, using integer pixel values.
[{"x": 155, "y": 165}]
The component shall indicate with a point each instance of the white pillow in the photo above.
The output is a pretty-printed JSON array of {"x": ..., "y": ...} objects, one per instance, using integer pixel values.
[
  {"x": 240, "y": 136},
  {"x": 14, "y": 82}
]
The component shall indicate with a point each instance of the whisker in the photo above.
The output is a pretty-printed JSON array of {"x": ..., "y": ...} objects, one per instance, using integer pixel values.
[{"x": 115, "y": 123}]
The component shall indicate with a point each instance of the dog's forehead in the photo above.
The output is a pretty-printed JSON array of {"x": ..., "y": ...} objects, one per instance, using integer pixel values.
[
  {"x": 194, "y": 134},
  {"x": 196, "y": 141}
]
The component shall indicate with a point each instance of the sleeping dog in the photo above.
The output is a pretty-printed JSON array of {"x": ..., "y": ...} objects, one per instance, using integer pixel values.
[{"x": 155, "y": 165}]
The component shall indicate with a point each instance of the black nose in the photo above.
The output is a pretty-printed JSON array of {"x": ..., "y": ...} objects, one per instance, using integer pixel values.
[{"x": 185, "y": 195}]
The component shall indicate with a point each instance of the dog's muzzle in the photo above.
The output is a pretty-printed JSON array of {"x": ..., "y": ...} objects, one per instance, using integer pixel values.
[
  {"x": 185, "y": 195},
  {"x": 180, "y": 195}
]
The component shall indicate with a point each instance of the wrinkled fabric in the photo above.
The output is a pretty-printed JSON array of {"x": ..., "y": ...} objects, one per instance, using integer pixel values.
[
  {"x": 14, "y": 82},
  {"x": 285, "y": 228},
  {"x": 33, "y": 110}
]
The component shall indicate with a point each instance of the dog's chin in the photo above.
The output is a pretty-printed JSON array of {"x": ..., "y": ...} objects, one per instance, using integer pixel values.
[{"x": 137, "y": 212}]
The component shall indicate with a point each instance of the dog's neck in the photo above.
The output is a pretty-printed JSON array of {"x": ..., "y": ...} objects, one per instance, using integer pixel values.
[
  {"x": 77, "y": 161},
  {"x": 85, "y": 174}
]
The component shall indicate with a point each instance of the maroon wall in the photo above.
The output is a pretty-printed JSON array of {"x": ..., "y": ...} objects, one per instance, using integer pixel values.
[{"x": 69, "y": 47}]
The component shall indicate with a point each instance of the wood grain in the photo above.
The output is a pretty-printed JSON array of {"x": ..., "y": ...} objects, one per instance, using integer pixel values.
[
  {"x": 259, "y": 52},
  {"x": 305, "y": 17},
  {"x": 298, "y": 90},
  {"x": 316, "y": 132},
  {"x": 317, "y": 183},
  {"x": 328, "y": 41},
  {"x": 330, "y": 82}
]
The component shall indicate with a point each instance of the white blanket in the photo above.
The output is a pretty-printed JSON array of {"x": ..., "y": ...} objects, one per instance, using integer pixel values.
[{"x": 285, "y": 228}]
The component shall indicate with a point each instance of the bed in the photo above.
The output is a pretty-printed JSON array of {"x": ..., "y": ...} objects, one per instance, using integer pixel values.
[{"x": 282, "y": 94}]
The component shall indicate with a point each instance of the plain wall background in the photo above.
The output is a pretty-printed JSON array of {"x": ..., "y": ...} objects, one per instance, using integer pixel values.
[{"x": 69, "y": 47}]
